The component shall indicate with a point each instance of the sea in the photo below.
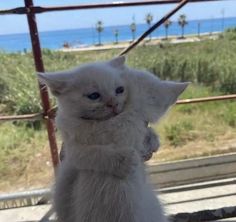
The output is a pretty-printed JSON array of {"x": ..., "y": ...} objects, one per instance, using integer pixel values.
[{"x": 85, "y": 37}]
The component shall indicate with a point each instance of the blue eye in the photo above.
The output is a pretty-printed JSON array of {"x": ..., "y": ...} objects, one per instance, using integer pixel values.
[
  {"x": 120, "y": 90},
  {"x": 94, "y": 96}
]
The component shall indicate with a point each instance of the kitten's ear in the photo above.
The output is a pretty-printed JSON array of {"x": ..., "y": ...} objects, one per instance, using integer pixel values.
[
  {"x": 118, "y": 61},
  {"x": 172, "y": 90},
  {"x": 55, "y": 81},
  {"x": 162, "y": 95}
]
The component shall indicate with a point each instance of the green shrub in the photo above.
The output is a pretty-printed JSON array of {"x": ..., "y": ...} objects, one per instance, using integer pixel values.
[
  {"x": 228, "y": 114},
  {"x": 230, "y": 34},
  {"x": 227, "y": 80},
  {"x": 179, "y": 133}
]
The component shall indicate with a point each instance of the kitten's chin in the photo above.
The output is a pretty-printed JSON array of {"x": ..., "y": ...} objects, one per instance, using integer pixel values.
[{"x": 101, "y": 118}]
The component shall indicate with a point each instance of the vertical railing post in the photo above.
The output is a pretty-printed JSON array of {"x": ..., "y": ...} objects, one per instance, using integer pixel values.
[{"x": 37, "y": 54}]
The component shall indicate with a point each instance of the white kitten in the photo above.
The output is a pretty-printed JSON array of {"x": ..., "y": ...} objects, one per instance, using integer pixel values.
[{"x": 103, "y": 112}]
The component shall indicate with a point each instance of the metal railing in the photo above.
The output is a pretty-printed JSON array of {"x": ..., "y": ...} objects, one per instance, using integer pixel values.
[
  {"x": 22, "y": 199},
  {"x": 48, "y": 112}
]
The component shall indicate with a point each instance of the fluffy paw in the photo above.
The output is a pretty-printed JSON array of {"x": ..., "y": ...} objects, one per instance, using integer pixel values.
[{"x": 151, "y": 144}]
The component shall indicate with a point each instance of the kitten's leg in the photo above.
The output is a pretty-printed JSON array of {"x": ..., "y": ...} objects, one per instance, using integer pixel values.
[
  {"x": 150, "y": 145},
  {"x": 62, "y": 201},
  {"x": 105, "y": 159}
]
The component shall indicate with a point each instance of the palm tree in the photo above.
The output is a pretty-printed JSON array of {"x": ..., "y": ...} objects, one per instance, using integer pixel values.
[
  {"x": 182, "y": 22},
  {"x": 167, "y": 24},
  {"x": 133, "y": 29},
  {"x": 116, "y": 34},
  {"x": 223, "y": 19},
  {"x": 99, "y": 28},
  {"x": 198, "y": 29},
  {"x": 148, "y": 19}
]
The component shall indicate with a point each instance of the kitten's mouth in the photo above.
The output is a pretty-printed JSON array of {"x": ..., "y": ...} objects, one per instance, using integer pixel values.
[
  {"x": 114, "y": 112},
  {"x": 103, "y": 118}
]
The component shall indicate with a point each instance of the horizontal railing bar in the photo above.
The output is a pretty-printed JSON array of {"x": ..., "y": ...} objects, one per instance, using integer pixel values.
[
  {"x": 51, "y": 113},
  {"x": 31, "y": 117},
  {"x": 19, "y": 11},
  {"x": 206, "y": 99},
  {"x": 39, "y": 9},
  {"x": 24, "y": 194}
]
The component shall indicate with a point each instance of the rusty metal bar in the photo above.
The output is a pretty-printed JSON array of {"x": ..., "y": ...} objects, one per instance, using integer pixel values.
[
  {"x": 155, "y": 26},
  {"x": 206, "y": 99},
  {"x": 43, "y": 90},
  {"x": 18, "y": 11},
  {"x": 39, "y": 9},
  {"x": 182, "y": 101},
  {"x": 52, "y": 111},
  {"x": 29, "y": 117}
]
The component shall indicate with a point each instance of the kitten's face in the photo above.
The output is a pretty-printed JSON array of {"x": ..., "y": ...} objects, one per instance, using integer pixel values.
[
  {"x": 98, "y": 94},
  {"x": 91, "y": 92}
]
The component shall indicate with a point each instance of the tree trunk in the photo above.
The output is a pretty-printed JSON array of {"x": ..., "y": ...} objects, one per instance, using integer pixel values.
[
  {"x": 166, "y": 33},
  {"x": 150, "y": 36},
  {"x": 99, "y": 38},
  {"x": 182, "y": 32},
  {"x": 133, "y": 35}
]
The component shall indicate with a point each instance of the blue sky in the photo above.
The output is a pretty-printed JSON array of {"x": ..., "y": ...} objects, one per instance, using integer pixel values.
[{"x": 88, "y": 18}]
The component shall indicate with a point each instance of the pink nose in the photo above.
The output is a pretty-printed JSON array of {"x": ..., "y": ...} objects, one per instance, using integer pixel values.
[{"x": 111, "y": 103}]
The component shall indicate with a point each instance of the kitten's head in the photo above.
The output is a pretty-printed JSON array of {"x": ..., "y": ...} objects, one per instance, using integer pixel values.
[
  {"x": 102, "y": 90},
  {"x": 93, "y": 91}
]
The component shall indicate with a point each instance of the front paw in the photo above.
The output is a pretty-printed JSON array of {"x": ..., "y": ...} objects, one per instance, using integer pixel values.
[
  {"x": 154, "y": 142},
  {"x": 127, "y": 160},
  {"x": 151, "y": 144}
]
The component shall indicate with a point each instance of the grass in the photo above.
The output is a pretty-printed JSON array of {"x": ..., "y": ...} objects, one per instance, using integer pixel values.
[
  {"x": 186, "y": 131},
  {"x": 24, "y": 158}
]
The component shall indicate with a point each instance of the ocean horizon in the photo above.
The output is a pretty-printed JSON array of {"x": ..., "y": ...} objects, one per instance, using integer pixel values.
[{"x": 84, "y": 37}]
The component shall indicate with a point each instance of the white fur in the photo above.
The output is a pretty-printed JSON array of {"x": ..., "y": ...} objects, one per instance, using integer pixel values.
[{"x": 103, "y": 177}]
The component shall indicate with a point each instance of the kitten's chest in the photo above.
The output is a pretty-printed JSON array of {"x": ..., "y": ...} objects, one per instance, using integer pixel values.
[{"x": 121, "y": 132}]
